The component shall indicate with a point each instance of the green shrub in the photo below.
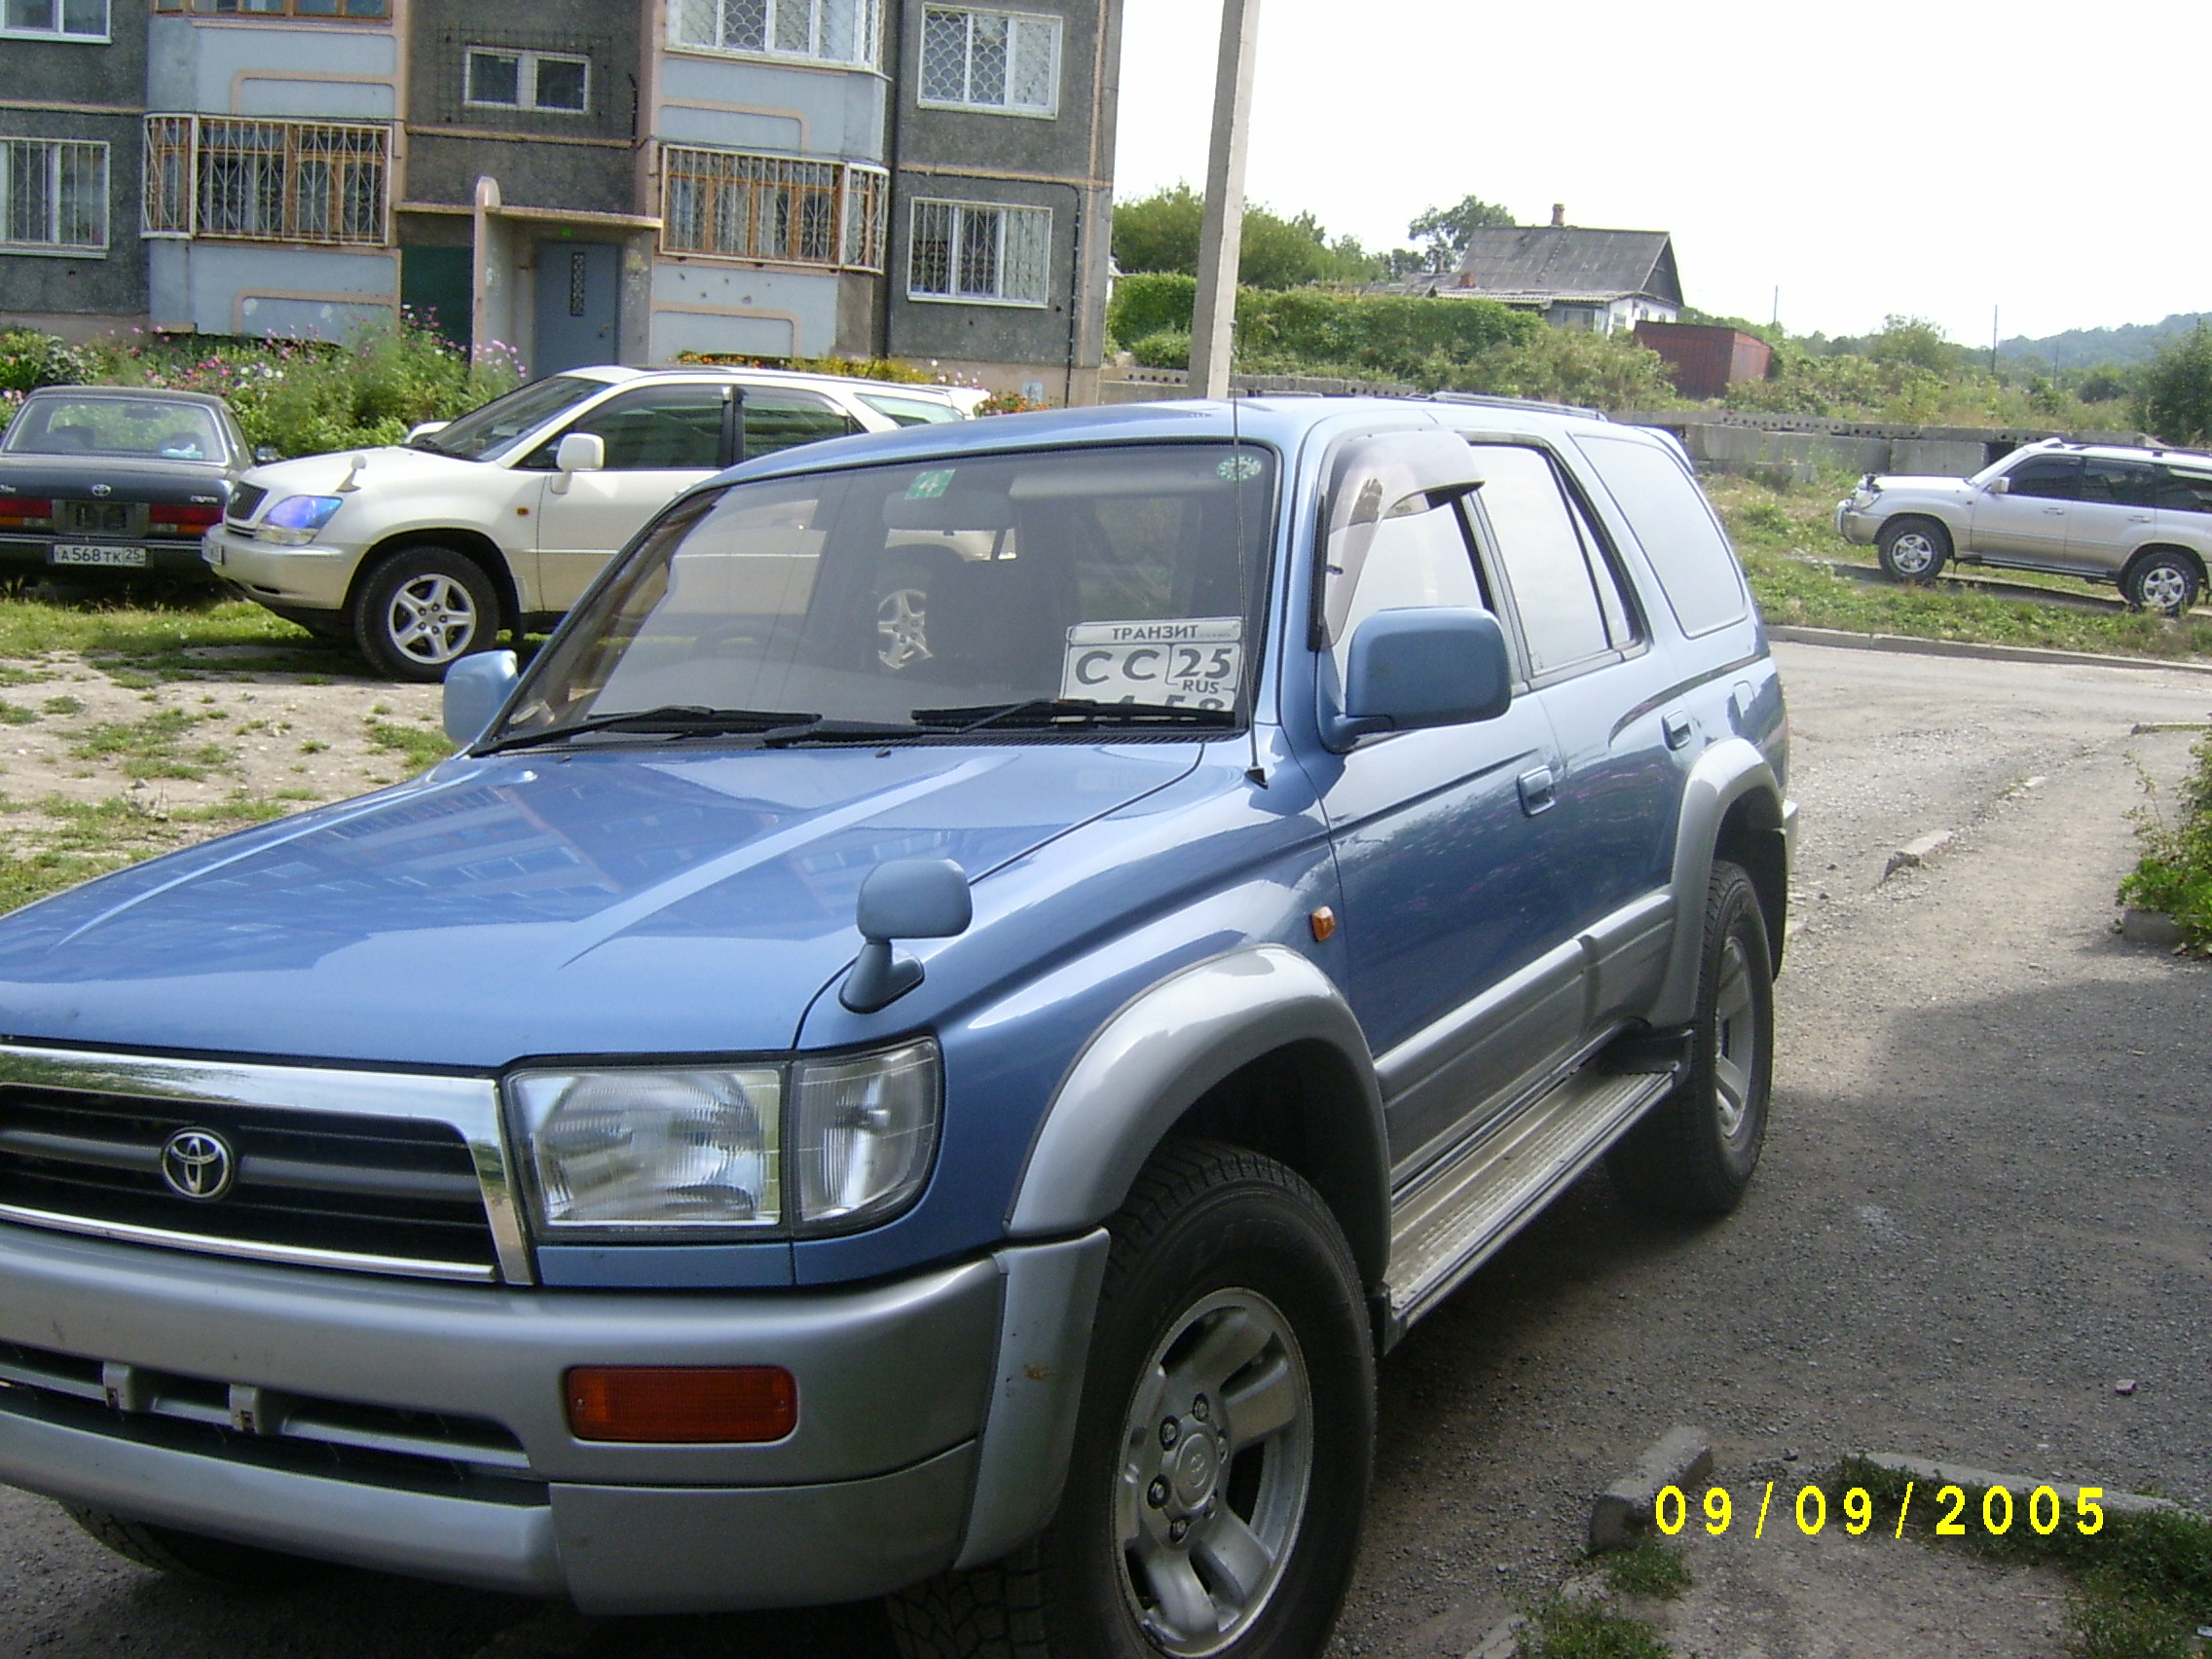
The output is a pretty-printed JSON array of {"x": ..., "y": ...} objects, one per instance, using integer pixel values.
[
  {"x": 29, "y": 359},
  {"x": 1151, "y": 302},
  {"x": 1169, "y": 349},
  {"x": 2175, "y": 874},
  {"x": 2175, "y": 400}
]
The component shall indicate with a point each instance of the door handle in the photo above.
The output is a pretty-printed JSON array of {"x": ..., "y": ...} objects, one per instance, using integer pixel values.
[
  {"x": 1539, "y": 790},
  {"x": 2055, "y": 512},
  {"x": 2138, "y": 518},
  {"x": 1677, "y": 725}
]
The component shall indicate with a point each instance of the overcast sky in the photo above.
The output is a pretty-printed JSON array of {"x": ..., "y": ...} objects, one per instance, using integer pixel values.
[{"x": 1932, "y": 158}]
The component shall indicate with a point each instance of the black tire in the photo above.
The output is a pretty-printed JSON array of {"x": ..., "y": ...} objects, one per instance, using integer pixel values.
[
  {"x": 2164, "y": 581},
  {"x": 1913, "y": 549},
  {"x": 421, "y": 611},
  {"x": 1696, "y": 1152},
  {"x": 189, "y": 1555},
  {"x": 1224, "y": 1236}
]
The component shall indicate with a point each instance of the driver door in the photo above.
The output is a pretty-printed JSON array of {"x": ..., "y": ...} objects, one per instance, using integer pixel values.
[{"x": 2030, "y": 520}]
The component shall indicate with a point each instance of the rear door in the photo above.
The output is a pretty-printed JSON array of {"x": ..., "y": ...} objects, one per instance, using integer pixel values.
[
  {"x": 2185, "y": 508},
  {"x": 2116, "y": 513},
  {"x": 2028, "y": 522}
]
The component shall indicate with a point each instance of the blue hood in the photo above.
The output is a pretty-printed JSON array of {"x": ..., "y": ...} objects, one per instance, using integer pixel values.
[{"x": 602, "y": 903}]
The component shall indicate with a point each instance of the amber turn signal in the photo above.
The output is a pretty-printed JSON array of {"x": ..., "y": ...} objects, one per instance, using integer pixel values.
[
  {"x": 1324, "y": 921},
  {"x": 693, "y": 1405}
]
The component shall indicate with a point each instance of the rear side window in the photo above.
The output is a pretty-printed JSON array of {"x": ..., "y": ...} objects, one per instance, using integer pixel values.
[
  {"x": 2118, "y": 483},
  {"x": 784, "y": 420},
  {"x": 1563, "y": 589},
  {"x": 1676, "y": 529},
  {"x": 2184, "y": 491}
]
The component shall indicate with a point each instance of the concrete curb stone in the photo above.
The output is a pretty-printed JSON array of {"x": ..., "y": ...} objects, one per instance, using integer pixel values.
[
  {"x": 1844, "y": 640},
  {"x": 1622, "y": 1512}
]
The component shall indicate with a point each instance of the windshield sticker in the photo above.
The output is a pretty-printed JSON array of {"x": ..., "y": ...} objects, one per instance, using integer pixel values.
[
  {"x": 1196, "y": 662},
  {"x": 929, "y": 486},
  {"x": 1238, "y": 469}
]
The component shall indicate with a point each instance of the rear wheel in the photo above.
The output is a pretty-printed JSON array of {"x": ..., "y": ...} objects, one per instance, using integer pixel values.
[
  {"x": 1219, "y": 1477},
  {"x": 2166, "y": 582},
  {"x": 189, "y": 1555},
  {"x": 1913, "y": 549},
  {"x": 1696, "y": 1152},
  {"x": 421, "y": 611}
]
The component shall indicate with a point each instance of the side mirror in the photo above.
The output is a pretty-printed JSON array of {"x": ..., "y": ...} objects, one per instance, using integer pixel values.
[
  {"x": 1999, "y": 485},
  {"x": 1432, "y": 667},
  {"x": 477, "y": 688},
  {"x": 263, "y": 453},
  {"x": 903, "y": 898},
  {"x": 578, "y": 452},
  {"x": 426, "y": 428}
]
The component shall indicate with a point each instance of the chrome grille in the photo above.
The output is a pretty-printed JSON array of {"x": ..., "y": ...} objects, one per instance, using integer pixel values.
[
  {"x": 388, "y": 1193},
  {"x": 246, "y": 501}
]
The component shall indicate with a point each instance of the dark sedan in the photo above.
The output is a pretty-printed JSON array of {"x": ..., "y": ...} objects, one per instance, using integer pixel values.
[{"x": 113, "y": 479}]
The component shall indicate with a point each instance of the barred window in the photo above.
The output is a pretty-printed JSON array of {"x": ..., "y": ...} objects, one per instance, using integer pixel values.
[
  {"x": 300, "y": 181},
  {"x": 967, "y": 250},
  {"x": 374, "y": 11},
  {"x": 990, "y": 60},
  {"x": 68, "y": 19},
  {"x": 772, "y": 208},
  {"x": 820, "y": 31},
  {"x": 53, "y": 193}
]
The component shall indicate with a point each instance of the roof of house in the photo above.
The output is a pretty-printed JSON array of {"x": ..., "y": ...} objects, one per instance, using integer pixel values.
[{"x": 1568, "y": 262}]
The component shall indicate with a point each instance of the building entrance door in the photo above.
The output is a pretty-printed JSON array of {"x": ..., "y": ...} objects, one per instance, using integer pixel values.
[{"x": 578, "y": 306}]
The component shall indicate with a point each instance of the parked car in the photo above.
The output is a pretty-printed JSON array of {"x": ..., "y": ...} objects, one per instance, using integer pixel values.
[
  {"x": 501, "y": 520},
  {"x": 2140, "y": 519},
  {"x": 780, "y": 1120},
  {"x": 100, "y": 481}
]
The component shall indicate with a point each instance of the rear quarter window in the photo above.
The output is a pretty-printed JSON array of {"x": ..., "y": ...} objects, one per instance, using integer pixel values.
[{"x": 1675, "y": 526}]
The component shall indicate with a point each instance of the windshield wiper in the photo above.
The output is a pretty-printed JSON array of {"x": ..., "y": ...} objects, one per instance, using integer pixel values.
[
  {"x": 675, "y": 719},
  {"x": 1049, "y": 713},
  {"x": 825, "y": 729}
]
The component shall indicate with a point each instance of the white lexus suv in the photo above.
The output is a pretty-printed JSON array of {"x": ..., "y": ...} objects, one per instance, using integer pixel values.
[{"x": 499, "y": 520}]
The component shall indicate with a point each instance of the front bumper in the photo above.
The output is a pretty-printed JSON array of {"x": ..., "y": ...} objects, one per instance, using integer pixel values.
[
  {"x": 312, "y": 578},
  {"x": 421, "y": 1429},
  {"x": 1855, "y": 525}
]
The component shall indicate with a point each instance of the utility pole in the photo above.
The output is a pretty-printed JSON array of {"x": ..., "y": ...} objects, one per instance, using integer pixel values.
[{"x": 1213, "y": 325}]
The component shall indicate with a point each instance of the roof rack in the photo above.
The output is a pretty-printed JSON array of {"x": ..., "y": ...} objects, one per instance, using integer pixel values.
[{"x": 1486, "y": 401}]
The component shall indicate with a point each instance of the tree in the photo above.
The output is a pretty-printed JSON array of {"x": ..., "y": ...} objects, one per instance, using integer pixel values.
[
  {"x": 2174, "y": 399},
  {"x": 1161, "y": 233},
  {"x": 1915, "y": 343},
  {"x": 1443, "y": 233}
]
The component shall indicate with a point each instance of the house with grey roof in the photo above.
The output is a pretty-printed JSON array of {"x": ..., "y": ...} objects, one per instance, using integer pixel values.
[{"x": 1592, "y": 281}]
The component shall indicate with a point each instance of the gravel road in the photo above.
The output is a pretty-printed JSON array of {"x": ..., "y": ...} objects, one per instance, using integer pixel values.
[{"x": 1984, "y": 1203}]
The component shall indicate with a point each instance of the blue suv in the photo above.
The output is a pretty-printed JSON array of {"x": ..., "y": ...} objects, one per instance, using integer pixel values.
[{"x": 929, "y": 1042}]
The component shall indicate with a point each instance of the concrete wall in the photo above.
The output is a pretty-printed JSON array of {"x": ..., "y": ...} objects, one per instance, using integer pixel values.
[
  {"x": 741, "y": 103},
  {"x": 1731, "y": 447},
  {"x": 314, "y": 70},
  {"x": 282, "y": 292},
  {"x": 713, "y": 305}
]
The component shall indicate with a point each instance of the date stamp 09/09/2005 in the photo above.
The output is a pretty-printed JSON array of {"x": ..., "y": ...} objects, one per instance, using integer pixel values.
[{"x": 2046, "y": 1512}]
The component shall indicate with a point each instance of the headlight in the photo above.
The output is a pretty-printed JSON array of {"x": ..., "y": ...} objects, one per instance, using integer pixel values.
[
  {"x": 862, "y": 1132},
  {"x": 654, "y": 1149},
  {"x": 706, "y": 1150},
  {"x": 294, "y": 521}
]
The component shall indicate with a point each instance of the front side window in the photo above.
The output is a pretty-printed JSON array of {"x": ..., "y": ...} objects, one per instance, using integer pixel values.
[
  {"x": 670, "y": 428},
  {"x": 926, "y": 596},
  {"x": 2053, "y": 478},
  {"x": 529, "y": 80},
  {"x": 967, "y": 250},
  {"x": 53, "y": 193},
  {"x": 823, "y": 31},
  {"x": 1564, "y": 591},
  {"x": 1675, "y": 526},
  {"x": 65, "y": 19},
  {"x": 990, "y": 60},
  {"x": 1415, "y": 557}
]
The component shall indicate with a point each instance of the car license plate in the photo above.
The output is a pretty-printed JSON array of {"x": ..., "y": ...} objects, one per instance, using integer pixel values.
[{"x": 86, "y": 553}]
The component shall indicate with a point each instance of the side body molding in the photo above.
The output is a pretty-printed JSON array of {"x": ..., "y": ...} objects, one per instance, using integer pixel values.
[
  {"x": 1724, "y": 774},
  {"x": 1159, "y": 1054}
]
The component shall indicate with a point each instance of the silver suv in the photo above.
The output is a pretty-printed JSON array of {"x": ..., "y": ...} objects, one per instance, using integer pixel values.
[{"x": 2138, "y": 518}]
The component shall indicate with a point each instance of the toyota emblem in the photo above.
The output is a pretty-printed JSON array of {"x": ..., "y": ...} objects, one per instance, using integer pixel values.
[
  {"x": 199, "y": 1164},
  {"x": 104, "y": 491}
]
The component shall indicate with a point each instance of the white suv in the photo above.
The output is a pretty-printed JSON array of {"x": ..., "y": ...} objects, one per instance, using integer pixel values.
[
  {"x": 2138, "y": 518},
  {"x": 420, "y": 555}
]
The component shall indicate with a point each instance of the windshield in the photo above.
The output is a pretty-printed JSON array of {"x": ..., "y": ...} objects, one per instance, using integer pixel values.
[
  {"x": 1003, "y": 588},
  {"x": 149, "y": 428},
  {"x": 489, "y": 432}
]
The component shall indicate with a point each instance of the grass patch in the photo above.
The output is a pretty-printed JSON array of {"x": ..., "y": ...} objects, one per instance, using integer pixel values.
[
  {"x": 1564, "y": 1629},
  {"x": 2175, "y": 874},
  {"x": 1650, "y": 1568},
  {"x": 143, "y": 646},
  {"x": 63, "y": 706},
  {"x": 89, "y": 838},
  {"x": 2142, "y": 1583},
  {"x": 151, "y": 748},
  {"x": 15, "y": 713},
  {"x": 422, "y": 746},
  {"x": 1780, "y": 531}
]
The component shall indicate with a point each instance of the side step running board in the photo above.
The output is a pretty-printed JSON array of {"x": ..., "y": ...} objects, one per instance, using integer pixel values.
[{"x": 1459, "y": 1216}]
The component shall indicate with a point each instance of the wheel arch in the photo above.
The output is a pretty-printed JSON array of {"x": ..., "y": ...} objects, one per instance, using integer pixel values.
[
  {"x": 2151, "y": 549},
  {"x": 1256, "y": 1047},
  {"x": 1732, "y": 808},
  {"x": 1897, "y": 521},
  {"x": 473, "y": 546}
]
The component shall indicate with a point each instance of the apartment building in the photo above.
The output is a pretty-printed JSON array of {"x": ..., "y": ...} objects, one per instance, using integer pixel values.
[{"x": 579, "y": 180}]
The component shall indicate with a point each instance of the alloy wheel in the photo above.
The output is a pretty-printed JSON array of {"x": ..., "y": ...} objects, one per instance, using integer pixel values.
[
  {"x": 1736, "y": 1040},
  {"x": 431, "y": 620}
]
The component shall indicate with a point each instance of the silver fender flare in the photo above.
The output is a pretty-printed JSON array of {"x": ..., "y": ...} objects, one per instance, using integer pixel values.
[
  {"x": 1723, "y": 775},
  {"x": 1159, "y": 1054}
]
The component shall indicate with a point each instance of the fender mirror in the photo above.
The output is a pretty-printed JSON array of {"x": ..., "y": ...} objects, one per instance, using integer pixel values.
[
  {"x": 477, "y": 688},
  {"x": 1436, "y": 666},
  {"x": 903, "y": 898}
]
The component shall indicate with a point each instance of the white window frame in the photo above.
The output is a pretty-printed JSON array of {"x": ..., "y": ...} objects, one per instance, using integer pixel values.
[
  {"x": 1018, "y": 24},
  {"x": 12, "y": 153},
  {"x": 691, "y": 23},
  {"x": 958, "y": 215},
  {"x": 107, "y": 32},
  {"x": 525, "y": 77}
]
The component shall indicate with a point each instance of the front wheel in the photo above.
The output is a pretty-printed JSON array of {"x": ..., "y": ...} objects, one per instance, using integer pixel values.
[
  {"x": 421, "y": 611},
  {"x": 1696, "y": 1152},
  {"x": 1219, "y": 1477},
  {"x": 2163, "y": 582},
  {"x": 1913, "y": 549}
]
